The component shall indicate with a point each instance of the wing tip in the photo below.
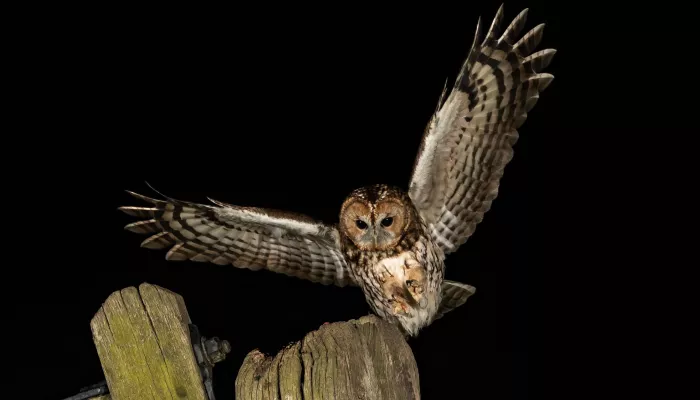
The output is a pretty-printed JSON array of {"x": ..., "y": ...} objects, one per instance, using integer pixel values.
[
  {"x": 161, "y": 194},
  {"x": 515, "y": 27},
  {"x": 463, "y": 292},
  {"x": 138, "y": 212},
  {"x": 142, "y": 197},
  {"x": 543, "y": 79},
  {"x": 158, "y": 241},
  {"x": 495, "y": 25},
  {"x": 500, "y": 8},
  {"x": 522, "y": 15},
  {"x": 471, "y": 289},
  {"x": 219, "y": 203}
]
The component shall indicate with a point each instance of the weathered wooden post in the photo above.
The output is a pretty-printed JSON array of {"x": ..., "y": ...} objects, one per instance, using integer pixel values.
[
  {"x": 358, "y": 359},
  {"x": 149, "y": 348}
]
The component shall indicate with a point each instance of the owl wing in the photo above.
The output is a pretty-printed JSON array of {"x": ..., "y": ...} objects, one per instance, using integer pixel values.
[
  {"x": 246, "y": 237},
  {"x": 469, "y": 139},
  {"x": 454, "y": 294}
]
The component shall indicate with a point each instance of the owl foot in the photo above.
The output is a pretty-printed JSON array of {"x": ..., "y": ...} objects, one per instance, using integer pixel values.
[
  {"x": 399, "y": 307},
  {"x": 414, "y": 286},
  {"x": 415, "y": 283},
  {"x": 396, "y": 293}
]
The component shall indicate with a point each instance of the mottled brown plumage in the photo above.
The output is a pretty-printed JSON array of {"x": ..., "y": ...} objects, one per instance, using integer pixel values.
[
  {"x": 389, "y": 242},
  {"x": 401, "y": 272}
]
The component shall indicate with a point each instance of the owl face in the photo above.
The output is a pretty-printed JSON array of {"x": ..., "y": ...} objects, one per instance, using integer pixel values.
[{"x": 376, "y": 217}]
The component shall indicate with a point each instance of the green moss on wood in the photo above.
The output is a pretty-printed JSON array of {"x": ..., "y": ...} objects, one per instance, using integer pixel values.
[{"x": 142, "y": 339}]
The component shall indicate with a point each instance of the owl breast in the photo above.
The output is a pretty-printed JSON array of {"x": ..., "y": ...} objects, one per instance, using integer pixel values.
[{"x": 403, "y": 286}]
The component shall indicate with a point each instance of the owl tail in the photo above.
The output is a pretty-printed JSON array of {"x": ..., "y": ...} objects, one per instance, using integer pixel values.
[{"x": 454, "y": 294}]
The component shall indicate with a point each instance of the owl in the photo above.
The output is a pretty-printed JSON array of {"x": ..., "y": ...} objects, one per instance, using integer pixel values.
[{"x": 389, "y": 241}]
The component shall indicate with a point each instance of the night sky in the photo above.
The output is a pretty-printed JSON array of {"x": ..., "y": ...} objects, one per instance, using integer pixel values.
[{"x": 288, "y": 113}]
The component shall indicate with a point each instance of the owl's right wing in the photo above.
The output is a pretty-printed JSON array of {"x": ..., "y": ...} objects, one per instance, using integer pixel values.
[
  {"x": 245, "y": 237},
  {"x": 469, "y": 140}
]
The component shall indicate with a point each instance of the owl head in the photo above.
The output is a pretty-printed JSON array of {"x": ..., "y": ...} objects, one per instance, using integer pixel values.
[{"x": 375, "y": 218}]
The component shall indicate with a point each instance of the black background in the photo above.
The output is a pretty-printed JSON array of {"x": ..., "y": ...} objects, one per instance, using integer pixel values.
[{"x": 291, "y": 112}]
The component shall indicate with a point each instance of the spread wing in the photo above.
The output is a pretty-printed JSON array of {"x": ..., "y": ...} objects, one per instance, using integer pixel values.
[
  {"x": 244, "y": 237},
  {"x": 469, "y": 140}
]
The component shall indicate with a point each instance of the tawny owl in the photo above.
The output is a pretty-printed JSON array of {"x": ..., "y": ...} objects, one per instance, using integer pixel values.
[{"x": 390, "y": 242}]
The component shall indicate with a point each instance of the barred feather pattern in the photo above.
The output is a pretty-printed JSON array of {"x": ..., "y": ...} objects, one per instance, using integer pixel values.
[
  {"x": 454, "y": 294},
  {"x": 244, "y": 237},
  {"x": 469, "y": 140}
]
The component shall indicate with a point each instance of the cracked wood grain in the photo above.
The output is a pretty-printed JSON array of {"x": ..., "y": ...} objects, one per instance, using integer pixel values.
[
  {"x": 143, "y": 341},
  {"x": 358, "y": 359}
]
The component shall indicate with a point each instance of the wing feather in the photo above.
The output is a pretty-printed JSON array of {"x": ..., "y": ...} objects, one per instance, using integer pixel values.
[
  {"x": 245, "y": 237},
  {"x": 470, "y": 138},
  {"x": 454, "y": 294}
]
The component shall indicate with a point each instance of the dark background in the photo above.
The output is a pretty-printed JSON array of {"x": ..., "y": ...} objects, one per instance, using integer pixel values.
[{"x": 291, "y": 112}]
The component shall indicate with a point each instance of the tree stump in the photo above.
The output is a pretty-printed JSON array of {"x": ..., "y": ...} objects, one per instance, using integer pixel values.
[{"x": 358, "y": 359}]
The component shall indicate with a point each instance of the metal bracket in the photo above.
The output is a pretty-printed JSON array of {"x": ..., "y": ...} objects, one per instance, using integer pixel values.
[
  {"x": 208, "y": 352},
  {"x": 91, "y": 391}
]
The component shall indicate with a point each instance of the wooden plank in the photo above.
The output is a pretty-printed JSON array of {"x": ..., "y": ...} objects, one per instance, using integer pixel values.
[
  {"x": 123, "y": 365},
  {"x": 149, "y": 346},
  {"x": 142, "y": 339},
  {"x": 170, "y": 320},
  {"x": 358, "y": 359},
  {"x": 290, "y": 372}
]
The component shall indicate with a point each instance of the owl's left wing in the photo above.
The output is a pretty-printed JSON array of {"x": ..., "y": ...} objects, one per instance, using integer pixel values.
[
  {"x": 245, "y": 237},
  {"x": 469, "y": 140}
]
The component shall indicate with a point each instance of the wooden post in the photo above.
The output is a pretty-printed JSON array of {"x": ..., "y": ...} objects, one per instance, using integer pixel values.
[
  {"x": 358, "y": 359},
  {"x": 143, "y": 341}
]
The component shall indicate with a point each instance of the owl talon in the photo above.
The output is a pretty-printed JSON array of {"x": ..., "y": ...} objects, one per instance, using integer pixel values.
[
  {"x": 399, "y": 306},
  {"x": 414, "y": 286},
  {"x": 415, "y": 282},
  {"x": 416, "y": 291}
]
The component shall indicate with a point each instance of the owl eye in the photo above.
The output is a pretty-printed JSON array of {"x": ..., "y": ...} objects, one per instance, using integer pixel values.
[
  {"x": 361, "y": 224},
  {"x": 386, "y": 222}
]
